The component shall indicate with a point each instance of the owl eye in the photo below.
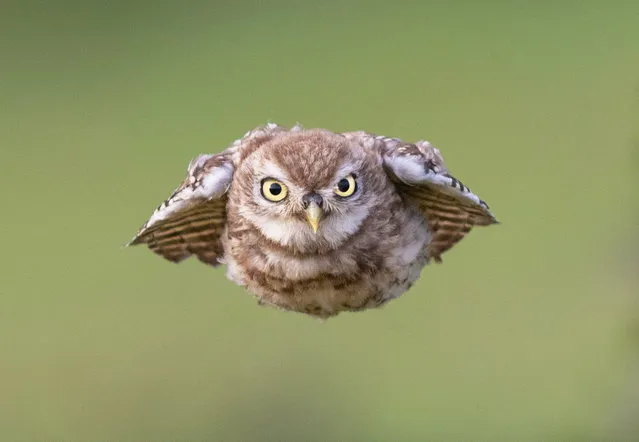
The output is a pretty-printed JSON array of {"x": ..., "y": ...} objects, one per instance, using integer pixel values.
[
  {"x": 346, "y": 186},
  {"x": 274, "y": 190}
]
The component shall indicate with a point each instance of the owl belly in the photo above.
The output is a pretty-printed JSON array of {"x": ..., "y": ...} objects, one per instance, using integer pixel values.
[
  {"x": 348, "y": 279},
  {"x": 328, "y": 295}
]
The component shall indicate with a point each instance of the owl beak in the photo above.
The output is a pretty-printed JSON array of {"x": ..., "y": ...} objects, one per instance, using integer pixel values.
[{"x": 313, "y": 215}]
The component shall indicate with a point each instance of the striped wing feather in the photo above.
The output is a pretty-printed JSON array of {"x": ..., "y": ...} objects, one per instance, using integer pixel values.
[
  {"x": 450, "y": 208},
  {"x": 195, "y": 231},
  {"x": 192, "y": 220},
  {"x": 449, "y": 219}
]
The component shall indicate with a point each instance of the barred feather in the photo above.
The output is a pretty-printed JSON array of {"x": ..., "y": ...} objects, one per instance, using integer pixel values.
[
  {"x": 193, "y": 232},
  {"x": 450, "y": 207},
  {"x": 192, "y": 220}
]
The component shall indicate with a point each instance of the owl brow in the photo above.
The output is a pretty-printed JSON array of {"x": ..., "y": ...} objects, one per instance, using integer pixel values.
[
  {"x": 271, "y": 178},
  {"x": 272, "y": 171},
  {"x": 345, "y": 171}
]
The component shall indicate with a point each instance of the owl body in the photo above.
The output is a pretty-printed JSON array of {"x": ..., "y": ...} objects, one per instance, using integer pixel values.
[{"x": 314, "y": 221}]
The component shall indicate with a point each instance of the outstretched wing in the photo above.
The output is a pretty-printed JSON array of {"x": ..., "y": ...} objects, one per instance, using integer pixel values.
[
  {"x": 450, "y": 207},
  {"x": 192, "y": 219}
]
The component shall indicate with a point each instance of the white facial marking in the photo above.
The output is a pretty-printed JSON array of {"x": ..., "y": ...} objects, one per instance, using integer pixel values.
[
  {"x": 338, "y": 227},
  {"x": 271, "y": 170},
  {"x": 284, "y": 231}
]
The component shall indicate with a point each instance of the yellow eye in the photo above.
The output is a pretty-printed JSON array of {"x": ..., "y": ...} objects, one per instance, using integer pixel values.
[
  {"x": 274, "y": 190},
  {"x": 346, "y": 186}
]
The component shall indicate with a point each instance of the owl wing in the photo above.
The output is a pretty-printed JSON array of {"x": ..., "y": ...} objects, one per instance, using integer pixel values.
[
  {"x": 450, "y": 207},
  {"x": 192, "y": 219}
]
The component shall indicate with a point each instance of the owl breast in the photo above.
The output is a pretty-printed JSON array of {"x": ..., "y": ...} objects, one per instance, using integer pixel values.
[{"x": 378, "y": 263}]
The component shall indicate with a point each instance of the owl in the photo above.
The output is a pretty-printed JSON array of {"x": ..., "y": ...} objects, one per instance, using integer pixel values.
[{"x": 316, "y": 222}]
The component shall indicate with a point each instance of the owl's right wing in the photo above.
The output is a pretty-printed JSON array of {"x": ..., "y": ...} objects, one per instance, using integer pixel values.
[
  {"x": 450, "y": 207},
  {"x": 192, "y": 219}
]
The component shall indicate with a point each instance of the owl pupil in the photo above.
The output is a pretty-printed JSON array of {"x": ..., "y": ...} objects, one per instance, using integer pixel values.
[
  {"x": 343, "y": 185},
  {"x": 275, "y": 189}
]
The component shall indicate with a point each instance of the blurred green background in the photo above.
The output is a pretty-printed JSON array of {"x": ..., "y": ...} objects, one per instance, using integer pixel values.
[{"x": 525, "y": 331}]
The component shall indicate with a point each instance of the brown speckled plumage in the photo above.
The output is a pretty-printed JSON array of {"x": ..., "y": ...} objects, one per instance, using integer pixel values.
[{"x": 369, "y": 247}]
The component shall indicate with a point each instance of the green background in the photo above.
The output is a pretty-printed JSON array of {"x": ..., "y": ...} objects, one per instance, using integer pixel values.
[{"x": 525, "y": 332}]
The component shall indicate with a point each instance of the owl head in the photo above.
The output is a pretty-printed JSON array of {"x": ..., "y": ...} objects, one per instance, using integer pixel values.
[{"x": 307, "y": 190}]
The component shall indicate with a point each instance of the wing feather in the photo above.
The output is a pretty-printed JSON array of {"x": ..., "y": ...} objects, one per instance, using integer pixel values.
[
  {"x": 449, "y": 206},
  {"x": 192, "y": 220}
]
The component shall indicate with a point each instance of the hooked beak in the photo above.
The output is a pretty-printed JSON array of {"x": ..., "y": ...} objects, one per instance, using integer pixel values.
[{"x": 313, "y": 215}]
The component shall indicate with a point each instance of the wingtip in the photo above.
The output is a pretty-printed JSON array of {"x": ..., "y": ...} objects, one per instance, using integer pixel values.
[
  {"x": 491, "y": 218},
  {"x": 133, "y": 242}
]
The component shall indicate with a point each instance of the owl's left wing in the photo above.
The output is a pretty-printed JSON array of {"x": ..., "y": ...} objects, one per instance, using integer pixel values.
[
  {"x": 450, "y": 207},
  {"x": 192, "y": 219}
]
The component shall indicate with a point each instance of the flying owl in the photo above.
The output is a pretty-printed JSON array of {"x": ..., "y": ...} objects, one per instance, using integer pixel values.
[{"x": 316, "y": 222}]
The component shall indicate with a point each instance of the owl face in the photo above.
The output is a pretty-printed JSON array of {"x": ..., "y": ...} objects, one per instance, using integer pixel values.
[{"x": 308, "y": 192}]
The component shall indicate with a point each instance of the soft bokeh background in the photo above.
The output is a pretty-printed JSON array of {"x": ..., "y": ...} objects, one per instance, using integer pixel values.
[{"x": 524, "y": 333}]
